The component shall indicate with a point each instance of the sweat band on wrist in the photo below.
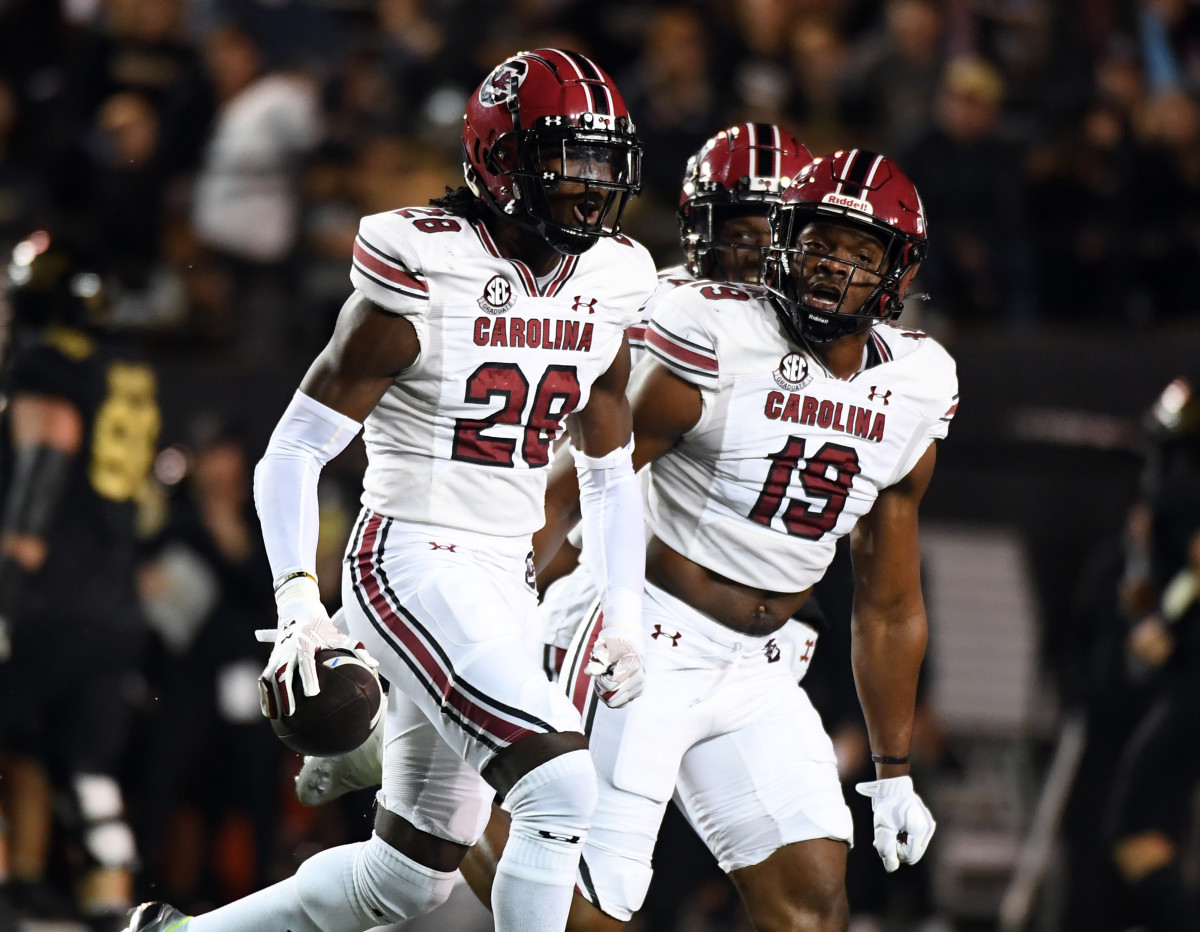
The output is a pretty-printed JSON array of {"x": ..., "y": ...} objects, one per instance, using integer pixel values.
[{"x": 290, "y": 576}]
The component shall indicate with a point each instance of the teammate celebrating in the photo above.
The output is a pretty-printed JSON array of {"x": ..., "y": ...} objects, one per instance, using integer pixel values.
[
  {"x": 729, "y": 187},
  {"x": 776, "y": 420},
  {"x": 476, "y": 327}
]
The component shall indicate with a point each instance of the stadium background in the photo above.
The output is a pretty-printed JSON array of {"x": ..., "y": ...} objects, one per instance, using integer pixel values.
[{"x": 218, "y": 154}]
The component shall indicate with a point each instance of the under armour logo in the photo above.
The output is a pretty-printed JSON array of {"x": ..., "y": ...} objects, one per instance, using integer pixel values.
[
  {"x": 876, "y": 393},
  {"x": 437, "y": 546},
  {"x": 660, "y": 633},
  {"x": 808, "y": 646},
  {"x": 771, "y": 649},
  {"x": 582, "y": 303},
  {"x": 559, "y": 836}
]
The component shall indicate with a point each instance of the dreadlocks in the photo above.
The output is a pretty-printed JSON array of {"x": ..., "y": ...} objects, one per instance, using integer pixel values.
[{"x": 461, "y": 202}]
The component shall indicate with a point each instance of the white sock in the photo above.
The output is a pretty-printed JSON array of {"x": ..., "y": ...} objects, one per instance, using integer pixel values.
[
  {"x": 350, "y": 888},
  {"x": 275, "y": 907},
  {"x": 551, "y": 808}
]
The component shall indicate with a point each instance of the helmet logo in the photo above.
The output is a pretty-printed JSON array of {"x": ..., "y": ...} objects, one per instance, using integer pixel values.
[
  {"x": 792, "y": 373},
  {"x": 840, "y": 200},
  {"x": 502, "y": 84},
  {"x": 497, "y": 296}
]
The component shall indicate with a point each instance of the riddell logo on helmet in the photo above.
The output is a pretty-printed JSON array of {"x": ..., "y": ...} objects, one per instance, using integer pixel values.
[{"x": 853, "y": 203}]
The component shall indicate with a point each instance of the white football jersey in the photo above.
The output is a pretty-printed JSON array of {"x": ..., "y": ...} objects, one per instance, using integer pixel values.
[
  {"x": 785, "y": 457},
  {"x": 460, "y": 438},
  {"x": 668, "y": 280}
]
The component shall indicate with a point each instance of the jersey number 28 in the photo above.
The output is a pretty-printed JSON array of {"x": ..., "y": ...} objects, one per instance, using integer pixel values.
[{"x": 557, "y": 395}]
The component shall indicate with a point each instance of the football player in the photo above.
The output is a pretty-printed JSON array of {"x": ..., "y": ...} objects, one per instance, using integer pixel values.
[
  {"x": 775, "y": 419},
  {"x": 82, "y": 428},
  {"x": 741, "y": 382},
  {"x": 728, "y": 189},
  {"x": 729, "y": 186},
  {"x": 475, "y": 328}
]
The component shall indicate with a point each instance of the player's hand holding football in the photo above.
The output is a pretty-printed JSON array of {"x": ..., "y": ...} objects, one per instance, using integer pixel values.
[
  {"x": 617, "y": 663},
  {"x": 903, "y": 824},
  {"x": 304, "y": 628},
  {"x": 617, "y": 668}
]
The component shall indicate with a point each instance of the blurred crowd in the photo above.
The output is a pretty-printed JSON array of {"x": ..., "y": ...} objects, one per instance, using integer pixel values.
[
  {"x": 220, "y": 152},
  {"x": 214, "y": 157}
]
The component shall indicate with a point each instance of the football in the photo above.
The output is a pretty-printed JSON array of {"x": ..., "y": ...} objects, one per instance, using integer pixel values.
[{"x": 338, "y": 718}]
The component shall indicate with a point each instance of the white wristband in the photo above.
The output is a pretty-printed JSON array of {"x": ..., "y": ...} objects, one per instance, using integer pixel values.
[{"x": 300, "y": 589}]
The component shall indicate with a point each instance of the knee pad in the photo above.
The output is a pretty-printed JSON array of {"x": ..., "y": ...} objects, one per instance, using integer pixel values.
[
  {"x": 373, "y": 880},
  {"x": 551, "y": 808},
  {"x": 392, "y": 885},
  {"x": 97, "y": 816},
  {"x": 615, "y": 868}
]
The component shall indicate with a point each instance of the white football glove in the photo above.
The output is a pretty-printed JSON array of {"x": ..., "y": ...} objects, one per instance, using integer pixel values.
[
  {"x": 903, "y": 823},
  {"x": 304, "y": 628},
  {"x": 617, "y": 666}
]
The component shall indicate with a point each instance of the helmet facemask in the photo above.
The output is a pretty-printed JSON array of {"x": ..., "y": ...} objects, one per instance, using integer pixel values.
[
  {"x": 814, "y": 289},
  {"x": 711, "y": 252},
  {"x": 570, "y": 186}
]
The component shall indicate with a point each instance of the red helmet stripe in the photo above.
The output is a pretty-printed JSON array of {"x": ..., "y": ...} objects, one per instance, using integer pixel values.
[
  {"x": 589, "y": 72},
  {"x": 846, "y": 171},
  {"x": 871, "y": 174},
  {"x": 572, "y": 73},
  {"x": 569, "y": 61},
  {"x": 764, "y": 143},
  {"x": 856, "y": 171}
]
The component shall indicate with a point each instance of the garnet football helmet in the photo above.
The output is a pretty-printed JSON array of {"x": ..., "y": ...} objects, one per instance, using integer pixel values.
[
  {"x": 543, "y": 119},
  {"x": 742, "y": 169},
  {"x": 862, "y": 190}
]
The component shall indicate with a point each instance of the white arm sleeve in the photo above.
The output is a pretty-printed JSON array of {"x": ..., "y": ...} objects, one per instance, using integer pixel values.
[
  {"x": 307, "y": 437},
  {"x": 614, "y": 535}
]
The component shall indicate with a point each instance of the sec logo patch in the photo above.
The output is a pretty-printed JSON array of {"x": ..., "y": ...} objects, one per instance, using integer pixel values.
[
  {"x": 792, "y": 373},
  {"x": 497, "y": 295}
]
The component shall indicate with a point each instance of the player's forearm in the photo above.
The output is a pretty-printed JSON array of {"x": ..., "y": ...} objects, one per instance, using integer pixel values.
[
  {"x": 307, "y": 437},
  {"x": 887, "y": 654},
  {"x": 614, "y": 537},
  {"x": 562, "y": 509}
]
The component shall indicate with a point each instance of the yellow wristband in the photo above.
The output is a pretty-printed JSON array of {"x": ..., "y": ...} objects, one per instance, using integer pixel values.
[{"x": 290, "y": 576}]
